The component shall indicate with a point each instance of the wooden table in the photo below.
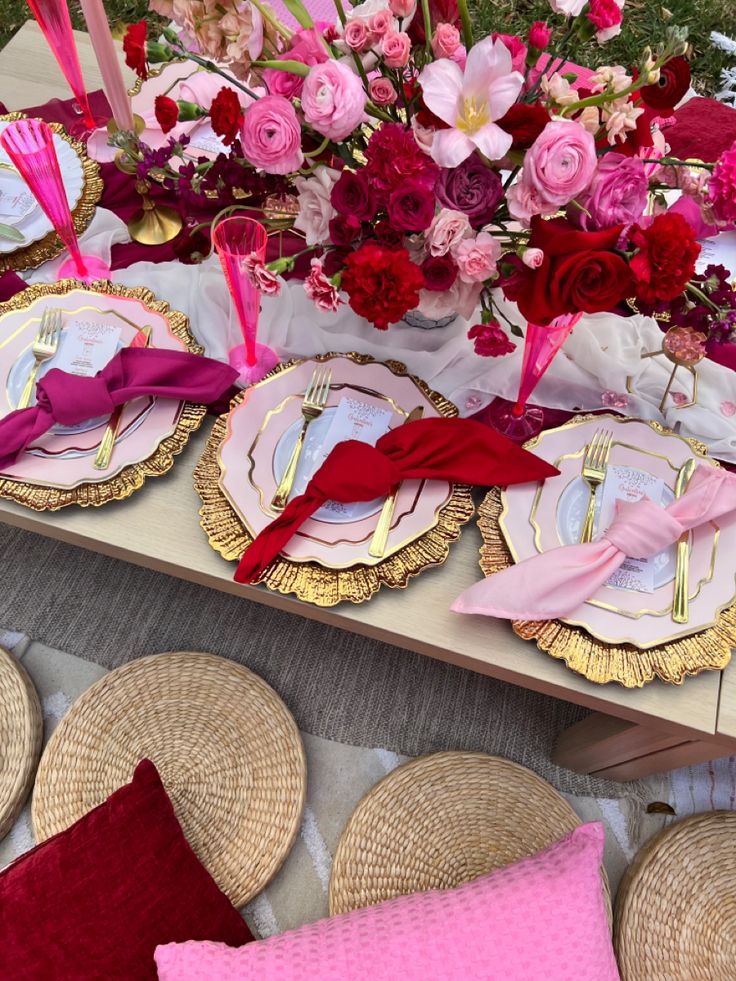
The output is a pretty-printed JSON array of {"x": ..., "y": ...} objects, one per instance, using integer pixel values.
[{"x": 630, "y": 734}]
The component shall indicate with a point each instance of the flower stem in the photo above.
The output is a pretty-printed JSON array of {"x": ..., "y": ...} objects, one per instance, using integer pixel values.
[
  {"x": 269, "y": 15},
  {"x": 696, "y": 291},
  {"x": 212, "y": 67},
  {"x": 340, "y": 12},
  {"x": 427, "y": 28},
  {"x": 466, "y": 24}
]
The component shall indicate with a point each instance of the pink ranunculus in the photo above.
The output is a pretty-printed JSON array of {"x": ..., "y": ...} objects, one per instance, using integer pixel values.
[
  {"x": 606, "y": 16},
  {"x": 539, "y": 35},
  {"x": 402, "y": 8},
  {"x": 524, "y": 201},
  {"x": 396, "y": 48},
  {"x": 617, "y": 195},
  {"x": 356, "y": 35},
  {"x": 477, "y": 257},
  {"x": 333, "y": 100},
  {"x": 382, "y": 92},
  {"x": 532, "y": 258},
  {"x": 447, "y": 231},
  {"x": 561, "y": 162},
  {"x": 445, "y": 41},
  {"x": 382, "y": 23},
  {"x": 517, "y": 50},
  {"x": 320, "y": 290},
  {"x": 271, "y": 135}
]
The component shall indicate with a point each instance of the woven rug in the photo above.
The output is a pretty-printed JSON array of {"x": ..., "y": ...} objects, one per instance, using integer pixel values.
[{"x": 338, "y": 686}]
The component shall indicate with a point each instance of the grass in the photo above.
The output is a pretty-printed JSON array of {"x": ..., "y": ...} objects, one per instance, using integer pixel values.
[{"x": 644, "y": 23}]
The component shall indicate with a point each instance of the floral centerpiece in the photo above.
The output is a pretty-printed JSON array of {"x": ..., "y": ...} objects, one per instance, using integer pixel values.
[{"x": 424, "y": 169}]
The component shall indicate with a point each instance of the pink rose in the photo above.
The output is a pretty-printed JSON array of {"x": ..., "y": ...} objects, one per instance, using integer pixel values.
[
  {"x": 315, "y": 204},
  {"x": 445, "y": 41},
  {"x": 356, "y": 35},
  {"x": 396, "y": 49},
  {"x": 617, "y": 195},
  {"x": 333, "y": 100},
  {"x": 402, "y": 8},
  {"x": 382, "y": 23},
  {"x": 516, "y": 48},
  {"x": 532, "y": 258},
  {"x": 539, "y": 35},
  {"x": 476, "y": 258},
  {"x": 271, "y": 135},
  {"x": 382, "y": 92},
  {"x": 447, "y": 231},
  {"x": 561, "y": 162}
]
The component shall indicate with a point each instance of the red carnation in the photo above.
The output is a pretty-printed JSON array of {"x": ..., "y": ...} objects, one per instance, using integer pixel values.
[
  {"x": 393, "y": 155},
  {"x": 665, "y": 262},
  {"x": 524, "y": 122},
  {"x": 490, "y": 340},
  {"x": 382, "y": 284},
  {"x": 134, "y": 46},
  {"x": 167, "y": 112},
  {"x": 674, "y": 81},
  {"x": 226, "y": 115}
]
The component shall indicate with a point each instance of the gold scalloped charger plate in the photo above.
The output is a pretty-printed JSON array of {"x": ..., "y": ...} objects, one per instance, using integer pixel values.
[
  {"x": 50, "y": 245},
  {"x": 672, "y": 660},
  {"x": 327, "y": 562},
  {"x": 58, "y": 468}
]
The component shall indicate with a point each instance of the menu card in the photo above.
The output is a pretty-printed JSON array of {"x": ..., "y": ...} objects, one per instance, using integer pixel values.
[
  {"x": 86, "y": 346},
  {"x": 629, "y": 484}
]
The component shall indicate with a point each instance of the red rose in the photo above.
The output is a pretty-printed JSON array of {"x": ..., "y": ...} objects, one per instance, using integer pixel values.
[
  {"x": 524, "y": 122},
  {"x": 440, "y": 272},
  {"x": 665, "y": 262},
  {"x": 192, "y": 247},
  {"x": 674, "y": 81},
  {"x": 490, "y": 340},
  {"x": 226, "y": 114},
  {"x": 344, "y": 229},
  {"x": 352, "y": 195},
  {"x": 382, "y": 284},
  {"x": 579, "y": 272},
  {"x": 411, "y": 206},
  {"x": 134, "y": 46},
  {"x": 167, "y": 112},
  {"x": 387, "y": 234}
]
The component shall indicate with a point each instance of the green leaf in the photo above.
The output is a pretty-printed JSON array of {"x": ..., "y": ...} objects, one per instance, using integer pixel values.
[
  {"x": 297, "y": 9},
  {"x": 294, "y": 67},
  {"x": 7, "y": 231}
]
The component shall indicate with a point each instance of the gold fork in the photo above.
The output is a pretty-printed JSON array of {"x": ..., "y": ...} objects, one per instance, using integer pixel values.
[
  {"x": 44, "y": 348},
  {"x": 315, "y": 399},
  {"x": 594, "y": 473}
]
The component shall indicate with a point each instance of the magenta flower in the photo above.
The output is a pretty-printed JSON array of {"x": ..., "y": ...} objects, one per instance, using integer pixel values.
[
  {"x": 470, "y": 102},
  {"x": 722, "y": 187}
]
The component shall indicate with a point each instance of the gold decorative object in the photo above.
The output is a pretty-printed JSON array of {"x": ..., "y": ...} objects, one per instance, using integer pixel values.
[
  {"x": 21, "y": 733},
  {"x": 596, "y": 660},
  {"x": 50, "y": 245},
  {"x": 130, "y": 478},
  {"x": 154, "y": 224},
  {"x": 227, "y": 748},
  {"x": 442, "y": 820},
  {"x": 310, "y": 581},
  {"x": 684, "y": 347}
]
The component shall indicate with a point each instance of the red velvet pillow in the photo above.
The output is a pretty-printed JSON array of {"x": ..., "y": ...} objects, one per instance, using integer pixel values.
[{"x": 94, "y": 901}]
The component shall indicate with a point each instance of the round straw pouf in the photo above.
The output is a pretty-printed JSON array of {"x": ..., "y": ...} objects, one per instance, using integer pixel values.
[
  {"x": 21, "y": 733},
  {"x": 676, "y": 905},
  {"x": 227, "y": 748},
  {"x": 442, "y": 820}
]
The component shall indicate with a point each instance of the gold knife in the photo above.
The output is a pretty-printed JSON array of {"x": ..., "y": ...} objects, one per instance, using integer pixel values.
[
  {"x": 680, "y": 601},
  {"x": 107, "y": 443},
  {"x": 380, "y": 536}
]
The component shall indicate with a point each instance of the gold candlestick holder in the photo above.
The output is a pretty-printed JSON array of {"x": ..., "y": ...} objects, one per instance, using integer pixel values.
[{"x": 684, "y": 347}]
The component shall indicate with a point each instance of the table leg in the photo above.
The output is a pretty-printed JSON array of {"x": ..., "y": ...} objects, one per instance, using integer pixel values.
[{"x": 619, "y": 750}]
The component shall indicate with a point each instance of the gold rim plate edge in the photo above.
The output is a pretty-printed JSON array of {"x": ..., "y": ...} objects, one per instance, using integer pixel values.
[
  {"x": 132, "y": 477},
  {"x": 629, "y": 666},
  {"x": 310, "y": 581},
  {"x": 34, "y": 254}
]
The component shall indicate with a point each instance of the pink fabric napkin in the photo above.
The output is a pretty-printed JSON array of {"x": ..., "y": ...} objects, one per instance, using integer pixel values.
[
  {"x": 555, "y": 583},
  {"x": 133, "y": 372}
]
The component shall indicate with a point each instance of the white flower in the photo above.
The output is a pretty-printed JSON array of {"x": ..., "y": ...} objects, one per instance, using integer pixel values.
[
  {"x": 611, "y": 78},
  {"x": 590, "y": 119},
  {"x": 570, "y": 8},
  {"x": 620, "y": 118},
  {"x": 558, "y": 90},
  {"x": 315, "y": 207}
]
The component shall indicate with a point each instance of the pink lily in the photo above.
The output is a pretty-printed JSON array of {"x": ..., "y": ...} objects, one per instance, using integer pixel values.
[{"x": 471, "y": 101}]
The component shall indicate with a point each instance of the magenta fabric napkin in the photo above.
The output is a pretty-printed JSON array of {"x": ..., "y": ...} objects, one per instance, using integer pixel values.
[
  {"x": 557, "y": 582},
  {"x": 133, "y": 372}
]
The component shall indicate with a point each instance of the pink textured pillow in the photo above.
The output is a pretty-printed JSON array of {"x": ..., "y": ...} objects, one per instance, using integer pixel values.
[{"x": 542, "y": 918}]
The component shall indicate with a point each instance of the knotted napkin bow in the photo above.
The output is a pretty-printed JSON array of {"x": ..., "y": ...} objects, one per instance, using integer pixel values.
[
  {"x": 457, "y": 450},
  {"x": 70, "y": 399},
  {"x": 557, "y": 582}
]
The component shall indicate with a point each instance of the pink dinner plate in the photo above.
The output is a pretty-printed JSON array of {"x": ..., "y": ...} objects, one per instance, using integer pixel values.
[
  {"x": 539, "y": 517},
  {"x": 64, "y": 458},
  {"x": 264, "y": 426}
]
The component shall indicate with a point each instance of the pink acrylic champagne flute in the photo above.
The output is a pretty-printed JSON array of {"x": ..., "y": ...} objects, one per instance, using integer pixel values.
[
  {"x": 519, "y": 420},
  {"x": 235, "y": 239},
  {"x": 30, "y": 145},
  {"x": 53, "y": 19}
]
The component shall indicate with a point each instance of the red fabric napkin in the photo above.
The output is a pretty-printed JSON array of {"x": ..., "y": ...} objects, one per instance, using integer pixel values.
[
  {"x": 704, "y": 128},
  {"x": 70, "y": 399},
  {"x": 458, "y": 450}
]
